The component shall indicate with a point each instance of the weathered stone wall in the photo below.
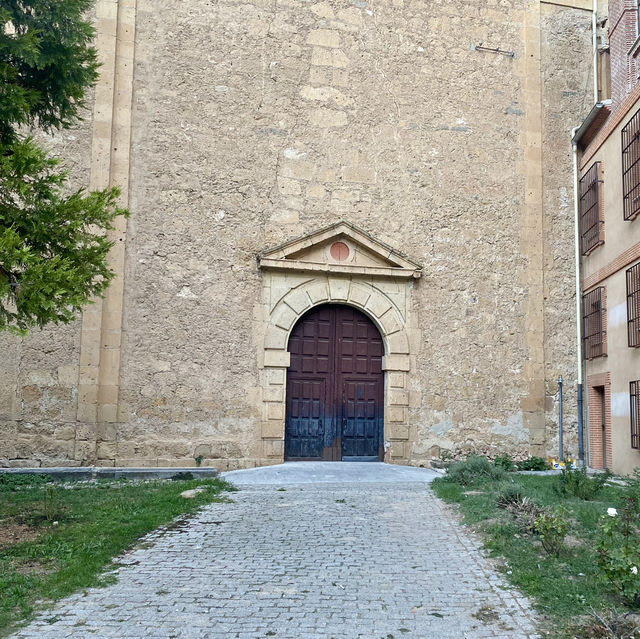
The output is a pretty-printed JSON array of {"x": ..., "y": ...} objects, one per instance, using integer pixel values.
[
  {"x": 567, "y": 99},
  {"x": 253, "y": 123},
  {"x": 39, "y": 375}
]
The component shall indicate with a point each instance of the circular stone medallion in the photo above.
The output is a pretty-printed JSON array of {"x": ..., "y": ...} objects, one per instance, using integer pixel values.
[{"x": 339, "y": 251}]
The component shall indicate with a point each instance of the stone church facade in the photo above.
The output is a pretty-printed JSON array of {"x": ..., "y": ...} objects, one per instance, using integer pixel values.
[{"x": 407, "y": 161}]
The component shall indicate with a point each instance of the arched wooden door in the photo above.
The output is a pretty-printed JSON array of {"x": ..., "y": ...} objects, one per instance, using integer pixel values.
[{"x": 335, "y": 387}]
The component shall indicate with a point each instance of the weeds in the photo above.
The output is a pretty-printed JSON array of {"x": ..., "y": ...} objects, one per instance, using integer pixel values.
[
  {"x": 563, "y": 579},
  {"x": 533, "y": 463},
  {"x": 474, "y": 470},
  {"x": 618, "y": 548},
  {"x": 52, "y": 507},
  {"x": 609, "y": 625},
  {"x": 524, "y": 510},
  {"x": 505, "y": 462},
  {"x": 552, "y": 527},
  {"x": 16, "y": 481},
  {"x": 579, "y": 484},
  {"x": 511, "y": 494},
  {"x": 549, "y": 524}
]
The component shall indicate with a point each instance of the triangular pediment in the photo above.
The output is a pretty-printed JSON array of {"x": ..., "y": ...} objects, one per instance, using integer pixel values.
[{"x": 340, "y": 248}]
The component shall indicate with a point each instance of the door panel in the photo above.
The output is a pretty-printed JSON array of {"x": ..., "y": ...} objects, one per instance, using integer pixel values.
[
  {"x": 361, "y": 422},
  {"x": 305, "y": 432},
  {"x": 335, "y": 386}
]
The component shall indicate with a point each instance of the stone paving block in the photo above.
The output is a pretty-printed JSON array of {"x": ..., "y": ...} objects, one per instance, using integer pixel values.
[{"x": 316, "y": 561}]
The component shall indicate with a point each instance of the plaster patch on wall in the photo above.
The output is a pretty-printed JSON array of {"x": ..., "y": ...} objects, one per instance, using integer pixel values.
[
  {"x": 421, "y": 448},
  {"x": 620, "y": 406},
  {"x": 443, "y": 427},
  {"x": 185, "y": 291},
  {"x": 617, "y": 315},
  {"x": 293, "y": 154},
  {"x": 513, "y": 428}
]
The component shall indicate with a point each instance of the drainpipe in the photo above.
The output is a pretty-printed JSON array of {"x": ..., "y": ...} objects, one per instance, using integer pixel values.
[
  {"x": 594, "y": 26},
  {"x": 576, "y": 233},
  {"x": 560, "y": 434}
]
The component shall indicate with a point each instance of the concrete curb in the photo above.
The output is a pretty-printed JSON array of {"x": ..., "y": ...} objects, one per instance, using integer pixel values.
[{"x": 110, "y": 472}]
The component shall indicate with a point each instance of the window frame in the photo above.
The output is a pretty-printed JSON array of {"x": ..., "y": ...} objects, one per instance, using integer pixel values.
[
  {"x": 633, "y": 306},
  {"x": 594, "y": 333},
  {"x": 590, "y": 209},
  {"x": 630, "y": 137},
  {"x": 634, "y": 397}
]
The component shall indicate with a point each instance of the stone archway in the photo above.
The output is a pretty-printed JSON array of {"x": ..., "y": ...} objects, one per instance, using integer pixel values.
[
  {"x": 379, "y": 306},
  {"x": 340, "y": 264}
]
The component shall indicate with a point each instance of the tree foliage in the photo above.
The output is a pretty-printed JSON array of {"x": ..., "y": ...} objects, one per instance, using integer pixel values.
[{"x": 53, "y": 248}]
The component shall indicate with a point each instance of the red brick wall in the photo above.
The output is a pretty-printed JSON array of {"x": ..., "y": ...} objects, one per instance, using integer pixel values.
[
  {"x": 595, "y": 385},
  {"x": 622, "y": 35},
  {"x": 624, "y": 259}
]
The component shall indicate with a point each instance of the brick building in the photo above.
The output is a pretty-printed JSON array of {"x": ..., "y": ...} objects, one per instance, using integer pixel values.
[
  {"x": 609, "y": 203},
  {"x": 351, "y": 236}
]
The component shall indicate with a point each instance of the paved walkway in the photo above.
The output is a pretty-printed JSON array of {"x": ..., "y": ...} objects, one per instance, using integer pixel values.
[
  {"x": 294, "y": 559},
  {"x": 329, "y": 473}
]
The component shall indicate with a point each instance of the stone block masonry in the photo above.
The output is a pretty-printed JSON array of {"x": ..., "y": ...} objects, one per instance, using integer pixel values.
[{"x": 233, "y": 128}]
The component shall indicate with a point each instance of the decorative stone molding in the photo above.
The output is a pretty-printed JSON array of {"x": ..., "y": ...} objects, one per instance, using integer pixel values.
[
  {"x": 381, "y": 259},
  {"x": 363, "y": 273}
]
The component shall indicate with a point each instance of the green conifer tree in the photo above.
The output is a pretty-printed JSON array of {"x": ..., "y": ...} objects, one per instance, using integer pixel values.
[{"x": 53, "y": 249}]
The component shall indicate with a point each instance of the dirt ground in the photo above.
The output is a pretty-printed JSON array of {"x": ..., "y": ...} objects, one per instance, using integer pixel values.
[{"x": 13, "y": 533}]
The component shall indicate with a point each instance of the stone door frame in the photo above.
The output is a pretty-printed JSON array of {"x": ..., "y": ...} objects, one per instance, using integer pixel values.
[{"x": 371, "y": 300}]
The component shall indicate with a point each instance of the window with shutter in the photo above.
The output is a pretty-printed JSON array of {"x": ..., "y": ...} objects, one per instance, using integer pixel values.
[
  {"x": 593, "y": 323},
  {"x": 591, "y": 222},
  {"x": 633, "y": 305},
  {"x": 631, "y": 167}
]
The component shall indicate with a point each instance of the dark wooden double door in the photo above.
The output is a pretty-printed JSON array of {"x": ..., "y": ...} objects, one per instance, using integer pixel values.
[{"x": 335, "y": 387}]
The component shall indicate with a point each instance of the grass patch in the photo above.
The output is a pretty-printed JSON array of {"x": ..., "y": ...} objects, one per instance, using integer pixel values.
[
  {"x": 565, "y": 588},
  {"x": 62, "y": 537}
]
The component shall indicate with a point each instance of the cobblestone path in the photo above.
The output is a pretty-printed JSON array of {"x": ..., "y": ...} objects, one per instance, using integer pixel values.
[{"x": 311, "y": 561}]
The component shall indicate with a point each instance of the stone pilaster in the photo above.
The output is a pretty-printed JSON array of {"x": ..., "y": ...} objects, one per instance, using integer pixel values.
[
  {"x": 532, "y": 236},
  {"x": 101, "y": 338}
]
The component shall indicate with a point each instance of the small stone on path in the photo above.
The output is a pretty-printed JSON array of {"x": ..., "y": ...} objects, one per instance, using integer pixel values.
[{"x": 190, "y": 494}]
